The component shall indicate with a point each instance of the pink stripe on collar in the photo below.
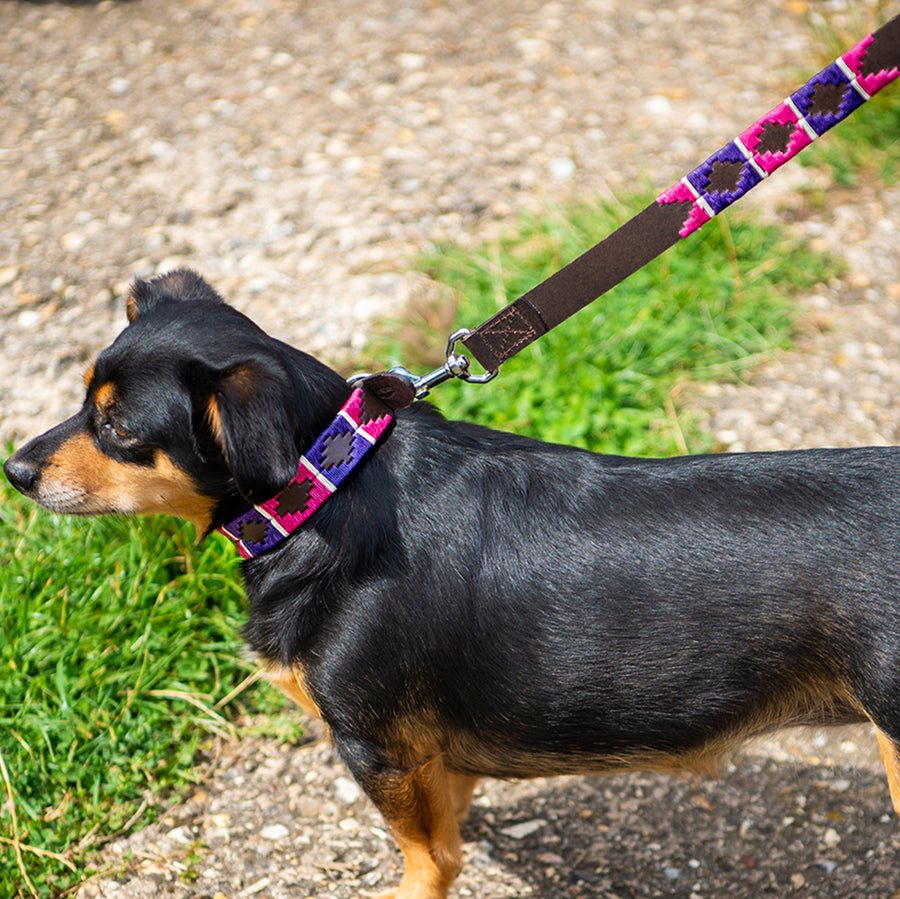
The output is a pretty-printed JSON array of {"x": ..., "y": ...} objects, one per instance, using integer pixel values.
[{"x": 335, "y": 453}]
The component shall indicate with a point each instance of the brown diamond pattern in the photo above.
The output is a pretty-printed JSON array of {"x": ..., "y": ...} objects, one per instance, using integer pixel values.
[
  {"x": 775, "y": 138},
  {"x": 338, "y": 450},
  {"x": 372, "y": 407},
  {"x": 827, "y": 98},
  {"x": 881, "y": 54},
  {"x": 725, "y": 176},
  {"x": 254, "y": 531},
  {"x": 294, "y": 498}
]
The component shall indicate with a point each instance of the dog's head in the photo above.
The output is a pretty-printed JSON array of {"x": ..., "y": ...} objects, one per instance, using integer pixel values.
[{"x": 190, "y": 408}]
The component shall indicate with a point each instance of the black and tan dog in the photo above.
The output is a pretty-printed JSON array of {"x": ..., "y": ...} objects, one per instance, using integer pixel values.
[{"x": 473, "y": 603}]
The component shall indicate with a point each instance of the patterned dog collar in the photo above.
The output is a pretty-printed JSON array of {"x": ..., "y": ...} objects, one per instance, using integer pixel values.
[{"x": 322, "y": 469}]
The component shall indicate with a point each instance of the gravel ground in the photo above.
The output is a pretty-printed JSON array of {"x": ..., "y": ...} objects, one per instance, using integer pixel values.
[{"x": 298, "y": 154}]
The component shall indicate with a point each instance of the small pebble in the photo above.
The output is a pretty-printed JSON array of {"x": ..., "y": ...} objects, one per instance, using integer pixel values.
[
  {"x": 274, "y": 832},
  {"x": 525, "y": 829}
]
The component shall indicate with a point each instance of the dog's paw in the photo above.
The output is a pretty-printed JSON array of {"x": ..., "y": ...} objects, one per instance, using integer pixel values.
[{"x": 412, "y": 891}]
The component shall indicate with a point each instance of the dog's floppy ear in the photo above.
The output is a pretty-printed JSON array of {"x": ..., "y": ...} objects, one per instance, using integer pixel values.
[
  {"x": 181, "y": 284},
  {"x": 248, "y": 410}
]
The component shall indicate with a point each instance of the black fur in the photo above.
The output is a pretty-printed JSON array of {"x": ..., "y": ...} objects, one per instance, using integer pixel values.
[{"x": 513, "y": 608}]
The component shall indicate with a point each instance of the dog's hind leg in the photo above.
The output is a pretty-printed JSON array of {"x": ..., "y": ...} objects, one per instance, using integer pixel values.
[
  {"x": 418, "y": 807},
  {"x": 890, "y": 755}
]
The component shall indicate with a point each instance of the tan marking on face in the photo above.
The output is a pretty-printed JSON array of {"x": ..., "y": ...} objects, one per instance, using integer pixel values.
[
  {"x": 88, "y": 375},
  {"x": 168, "y": 490},
  {"x": 292, "y": 682},
  {"x": 79, "y": 479},
  {"x": 105, "y": 396}
]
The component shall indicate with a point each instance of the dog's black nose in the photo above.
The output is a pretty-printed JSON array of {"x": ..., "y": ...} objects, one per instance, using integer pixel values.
[{"x": 22, "y": 474}]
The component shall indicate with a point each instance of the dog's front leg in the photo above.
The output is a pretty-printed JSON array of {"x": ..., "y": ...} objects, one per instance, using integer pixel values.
[
  {"x": 418, "y": 807},
  {"x": 461, "y": 789}
]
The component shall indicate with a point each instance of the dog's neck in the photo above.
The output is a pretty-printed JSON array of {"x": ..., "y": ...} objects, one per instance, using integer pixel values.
[{"x": 331, "y": 458}]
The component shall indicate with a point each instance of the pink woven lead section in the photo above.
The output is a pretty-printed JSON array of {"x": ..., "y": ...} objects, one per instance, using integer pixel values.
[{"x": 826, "y": 99}]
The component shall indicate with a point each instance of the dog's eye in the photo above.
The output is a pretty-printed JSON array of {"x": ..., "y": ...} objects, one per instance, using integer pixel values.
[{"x": 115, "y": 431}]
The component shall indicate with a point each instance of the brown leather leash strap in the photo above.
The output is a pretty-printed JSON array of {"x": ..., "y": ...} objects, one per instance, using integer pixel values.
[{"x": 826, "y": 99}]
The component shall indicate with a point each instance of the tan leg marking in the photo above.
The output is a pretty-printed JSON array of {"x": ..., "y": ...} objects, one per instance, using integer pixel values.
[
  {"x": 461, "y": 789},
  {"x": 419, "y": 809},
  {"x": 890, "y": 755},
  {"x": 292, "y": 682}
]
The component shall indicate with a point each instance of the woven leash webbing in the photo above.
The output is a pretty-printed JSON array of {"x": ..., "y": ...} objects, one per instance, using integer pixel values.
[{"x": 826, "y": 99}]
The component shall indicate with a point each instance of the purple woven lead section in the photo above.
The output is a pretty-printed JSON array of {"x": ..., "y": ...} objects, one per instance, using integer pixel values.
[
  {"x": 826, "y": 99},
  {"x": 321, "y": 470}
]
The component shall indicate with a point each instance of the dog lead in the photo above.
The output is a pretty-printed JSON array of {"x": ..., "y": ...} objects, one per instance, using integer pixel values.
[{"x": 824, "y": 101}]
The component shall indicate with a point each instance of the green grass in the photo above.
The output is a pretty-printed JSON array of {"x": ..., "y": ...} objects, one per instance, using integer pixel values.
[
  {"x": 118, "y": 642},
  {"x": 605, "y": 379}
]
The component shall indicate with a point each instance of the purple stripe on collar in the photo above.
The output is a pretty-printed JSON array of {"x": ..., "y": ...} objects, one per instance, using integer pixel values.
[{"x": 321, "y": 470}]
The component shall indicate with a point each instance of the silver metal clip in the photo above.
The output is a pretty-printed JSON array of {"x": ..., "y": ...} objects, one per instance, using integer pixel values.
[{"x": 455, "y": 366}]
